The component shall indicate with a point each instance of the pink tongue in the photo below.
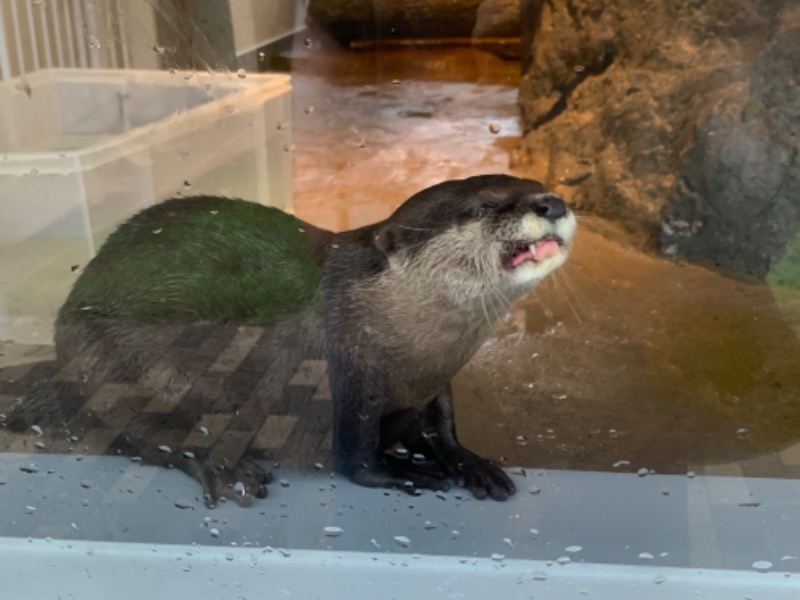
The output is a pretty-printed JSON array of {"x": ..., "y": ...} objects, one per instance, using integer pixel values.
[
  {"x": 541, "y": 251},
  {"x": 546, "y": 249}
]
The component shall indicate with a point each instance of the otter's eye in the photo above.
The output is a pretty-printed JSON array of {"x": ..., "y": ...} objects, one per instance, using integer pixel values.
[{"x": 485, "y": 209}]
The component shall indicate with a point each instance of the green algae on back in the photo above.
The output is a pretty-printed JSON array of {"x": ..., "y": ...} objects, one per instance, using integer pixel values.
[{"x": 204, "y": 258}]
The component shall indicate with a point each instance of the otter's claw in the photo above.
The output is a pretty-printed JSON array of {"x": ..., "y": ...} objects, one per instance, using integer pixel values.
[
  {"x": 241, "y": 483},
  {"x": 479, "y": 475}
]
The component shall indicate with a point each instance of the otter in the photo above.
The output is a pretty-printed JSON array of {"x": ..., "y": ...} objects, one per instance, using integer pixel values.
[{"x": 395, "y": 308}]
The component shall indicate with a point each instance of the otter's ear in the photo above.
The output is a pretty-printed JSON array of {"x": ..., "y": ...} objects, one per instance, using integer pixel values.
[{"x": 386, "y": 240}]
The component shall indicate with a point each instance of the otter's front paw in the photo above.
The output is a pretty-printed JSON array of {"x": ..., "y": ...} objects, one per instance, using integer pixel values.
[
  {"x": 479, "y": 475},
  {"x": 241, "y": 483},
  {"x": 388, "y": 471}
]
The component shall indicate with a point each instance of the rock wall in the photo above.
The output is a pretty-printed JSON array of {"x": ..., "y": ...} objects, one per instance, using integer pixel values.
[
  {"x": 680, "y": 119},
  {"x": 348, "y": 20},
  {"x": 492, "y": 25}
]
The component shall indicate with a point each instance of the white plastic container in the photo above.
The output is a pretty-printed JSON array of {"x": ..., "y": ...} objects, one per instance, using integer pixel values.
[{"x": 82, "y": 150}]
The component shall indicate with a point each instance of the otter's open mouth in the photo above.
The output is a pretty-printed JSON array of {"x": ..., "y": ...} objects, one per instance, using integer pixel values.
[{"x": 518, "y": 253}]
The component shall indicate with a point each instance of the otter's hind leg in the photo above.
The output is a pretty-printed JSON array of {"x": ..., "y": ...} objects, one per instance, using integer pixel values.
[{"x": 150, "y": 387}]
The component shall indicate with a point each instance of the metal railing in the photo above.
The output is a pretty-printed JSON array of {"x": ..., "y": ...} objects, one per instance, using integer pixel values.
[{"x": 39, "y": 34}]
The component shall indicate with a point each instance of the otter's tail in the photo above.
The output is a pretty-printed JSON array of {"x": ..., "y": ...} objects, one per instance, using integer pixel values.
[{"x": 49, "y": 402}]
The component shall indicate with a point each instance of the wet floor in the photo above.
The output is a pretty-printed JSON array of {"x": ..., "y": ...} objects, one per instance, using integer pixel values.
[{"x": 622, "y": 361}]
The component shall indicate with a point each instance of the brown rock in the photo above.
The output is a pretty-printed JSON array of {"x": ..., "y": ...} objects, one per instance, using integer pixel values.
[{"x": 619, "y": 100}]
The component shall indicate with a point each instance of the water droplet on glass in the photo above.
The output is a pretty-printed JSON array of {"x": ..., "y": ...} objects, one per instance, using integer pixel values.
[
  {"x": 539, "y": 576},
  {"x": 665, "y": 491},
  {"x": 203, "y": 430},
  {"x": 188, "y": 454},
  {"x": 658, "y": 579},
  {"x": 564, "y": 560},
  {"x": 165, "y": 449},
  {"x": 333, "y": 531},
  {"x": 309, "y": 109},
  {"x": 184, "y": 504},
  {"x": 762, "y": 566},
  {"x": 262, "y": 55},
  {"x": 509, "y": 543},
  {"x": 534, "y": 490},
  {"x": 31, "y": 468},
  {"x": 229, "y": 556},
  {"x": 742, "y": 433},
  {"x": 214, "y": 532},
  {"x": 402, "y": 541},
  {"x": 30, "y": 509},
  {"x": 498, "y": 557},
  {"x": 613, "y": 433},
  {"x": 495, "y": 127},
  {"x": 401, "y": 453},
  {"x": 39, "y": 445},
  {"x": 187, "y": 185},
  {"x": 573, "y": 549},
  {"x": 157, "y": 231},
  {"x": 239, "y": 488},
  {"x": 284, "y": 483},
  {"x": 621, "y": 463},
  {"x": 691, "y": 474},
  {"x": 288, "y": 147},
  {"x": 36, "y": 429},
  {"x": 241, "y": 73},
  {"x": 643, "y": 472},
  {"x": 282, "y": 125},
  {"x": 308, "y": 42},
  {"x": 94, "y": 43},
  {"x": 521, "y": 440},
  {"x": 646, "y": 556}
]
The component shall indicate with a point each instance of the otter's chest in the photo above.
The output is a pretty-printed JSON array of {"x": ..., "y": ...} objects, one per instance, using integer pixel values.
[{"x": 420, "y": 360}]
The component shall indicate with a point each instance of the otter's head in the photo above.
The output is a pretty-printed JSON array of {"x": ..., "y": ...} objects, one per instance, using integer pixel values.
[{"x": 479, "y": 236}]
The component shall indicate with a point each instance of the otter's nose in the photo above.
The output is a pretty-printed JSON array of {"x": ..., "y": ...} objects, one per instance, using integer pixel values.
[{"x": 548, "y": 207}]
